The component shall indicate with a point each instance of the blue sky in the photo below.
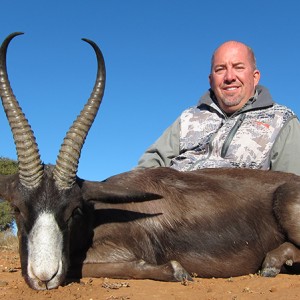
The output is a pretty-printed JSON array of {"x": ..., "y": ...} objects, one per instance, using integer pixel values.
[{"x": 157, "y": 57}]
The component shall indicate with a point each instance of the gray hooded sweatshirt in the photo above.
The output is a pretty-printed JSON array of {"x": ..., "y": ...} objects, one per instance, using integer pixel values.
[{"x": 262, "y": 135}]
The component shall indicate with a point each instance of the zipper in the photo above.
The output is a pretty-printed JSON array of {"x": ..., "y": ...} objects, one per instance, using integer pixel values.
[{"x": 231, "y": 134}]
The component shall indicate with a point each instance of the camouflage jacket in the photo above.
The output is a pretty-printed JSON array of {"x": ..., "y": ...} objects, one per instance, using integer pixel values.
[{"x": 262, "y": 135}]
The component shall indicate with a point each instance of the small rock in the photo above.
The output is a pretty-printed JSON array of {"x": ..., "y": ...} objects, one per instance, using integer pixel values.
[
  {"x": 247, "y": 290},
  {"x": 3, "y": 283},
  {"x": 273, "y": 289}
]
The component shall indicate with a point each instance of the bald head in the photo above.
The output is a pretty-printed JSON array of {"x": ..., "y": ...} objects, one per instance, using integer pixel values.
[{"x": 248, "y": 49}]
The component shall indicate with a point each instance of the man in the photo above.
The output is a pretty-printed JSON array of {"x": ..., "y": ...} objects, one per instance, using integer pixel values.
[{"x": 236, "y": 124}]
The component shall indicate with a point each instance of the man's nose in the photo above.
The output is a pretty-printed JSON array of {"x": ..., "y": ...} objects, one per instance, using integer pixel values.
[{"x": 229, "y": 75}]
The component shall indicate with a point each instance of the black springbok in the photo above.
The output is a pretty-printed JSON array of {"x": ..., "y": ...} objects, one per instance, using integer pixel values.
[{"x": 155, "y": 223}]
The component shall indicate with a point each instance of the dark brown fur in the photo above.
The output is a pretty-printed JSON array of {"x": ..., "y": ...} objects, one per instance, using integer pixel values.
[{"x": 216, "y": 223}]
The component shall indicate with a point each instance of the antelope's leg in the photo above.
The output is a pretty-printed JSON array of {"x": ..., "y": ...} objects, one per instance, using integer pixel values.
[
  {"x": 287, "y": 253},
  {"x": 171, "y": 271}
]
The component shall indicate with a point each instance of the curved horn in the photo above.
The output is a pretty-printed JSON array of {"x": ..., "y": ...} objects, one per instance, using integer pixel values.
[
  {"x": 30, "y": 165},
  {"x": 66, "y": 167}
]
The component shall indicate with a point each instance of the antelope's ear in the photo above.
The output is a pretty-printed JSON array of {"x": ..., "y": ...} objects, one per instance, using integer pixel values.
[
  {"x": 112, "y": 193},
  {"x": 8, "y": 186}
]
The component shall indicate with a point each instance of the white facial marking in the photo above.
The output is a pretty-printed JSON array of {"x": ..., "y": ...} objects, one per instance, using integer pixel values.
[{"x": 45, "y": 243}]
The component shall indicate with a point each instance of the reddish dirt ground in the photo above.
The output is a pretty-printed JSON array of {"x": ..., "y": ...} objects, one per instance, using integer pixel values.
[{"x": 12, "y": 286}]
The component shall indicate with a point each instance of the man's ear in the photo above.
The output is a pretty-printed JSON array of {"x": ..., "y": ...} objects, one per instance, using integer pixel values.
[
  {"x": 256, "y": 76},
  {"x": 209, "y": 79}
]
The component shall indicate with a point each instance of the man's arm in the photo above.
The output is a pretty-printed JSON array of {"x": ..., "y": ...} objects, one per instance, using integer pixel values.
[
  {"x": 285, "y": 155},
  {"x": 163, "y": 150}
]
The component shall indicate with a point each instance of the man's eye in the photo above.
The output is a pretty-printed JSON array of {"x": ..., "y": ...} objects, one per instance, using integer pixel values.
[
  {"x": 240, "y": 67},
  {"x": 219, "y": 70}
]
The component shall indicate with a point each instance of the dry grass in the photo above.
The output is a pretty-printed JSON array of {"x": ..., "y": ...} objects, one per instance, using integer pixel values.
[{"x": 8, "y": 241}]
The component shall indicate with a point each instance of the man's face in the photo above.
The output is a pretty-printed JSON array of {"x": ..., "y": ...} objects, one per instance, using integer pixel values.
[{"x": 233, "y": 77}]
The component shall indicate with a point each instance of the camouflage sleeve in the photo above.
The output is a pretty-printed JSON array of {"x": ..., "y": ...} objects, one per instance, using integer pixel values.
[
  {"x": 163, "y": 150},
  {"x": 286, "y": 150}
]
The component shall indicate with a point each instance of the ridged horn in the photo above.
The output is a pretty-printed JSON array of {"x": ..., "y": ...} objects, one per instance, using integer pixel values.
[
  {"x": 30, "y": 165},
  {"x": 66, "y": 166}
]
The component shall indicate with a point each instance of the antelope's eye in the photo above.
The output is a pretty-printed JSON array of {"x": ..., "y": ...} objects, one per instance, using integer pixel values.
[
  {"x": 77, "y": 212},
  {"x": 75, "y": 216},
  {"x": 16, "y": 210}
]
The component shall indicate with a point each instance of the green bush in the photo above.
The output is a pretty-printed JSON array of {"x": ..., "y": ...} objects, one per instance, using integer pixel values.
[
  {"x": 7, "y": 167},
  {"x": 6, "y": 216}
]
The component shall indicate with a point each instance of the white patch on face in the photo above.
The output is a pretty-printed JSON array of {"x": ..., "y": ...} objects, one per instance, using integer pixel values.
[{"x": 45, "y": 243}]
